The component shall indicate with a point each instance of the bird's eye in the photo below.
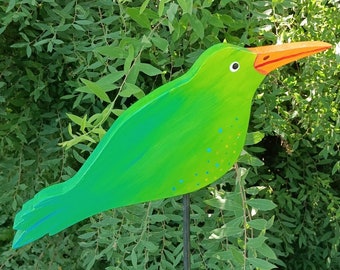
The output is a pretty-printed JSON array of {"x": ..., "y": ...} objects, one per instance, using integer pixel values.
[{"x": 234, "y": 67}]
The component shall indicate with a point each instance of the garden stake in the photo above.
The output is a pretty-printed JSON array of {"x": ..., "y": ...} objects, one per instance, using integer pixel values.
[{"x": 186, "y": 231}]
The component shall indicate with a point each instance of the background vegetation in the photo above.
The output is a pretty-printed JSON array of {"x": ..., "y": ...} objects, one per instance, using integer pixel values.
[{"x": 69, "y": 68}]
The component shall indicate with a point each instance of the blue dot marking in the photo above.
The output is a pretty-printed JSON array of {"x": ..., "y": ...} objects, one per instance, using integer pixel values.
[
  {"x": 209, "y": 150},
  {"x": 217, "y": 165},
  {"x": 220, "y": 130},
  {"x": 181, "y": 181}
]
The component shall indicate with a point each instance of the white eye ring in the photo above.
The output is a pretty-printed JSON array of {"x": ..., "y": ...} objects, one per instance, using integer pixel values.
[{"x": 235, "y": 66}]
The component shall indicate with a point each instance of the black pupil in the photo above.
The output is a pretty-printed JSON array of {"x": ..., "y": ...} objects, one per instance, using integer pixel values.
[{"x": 235, "y": 66}]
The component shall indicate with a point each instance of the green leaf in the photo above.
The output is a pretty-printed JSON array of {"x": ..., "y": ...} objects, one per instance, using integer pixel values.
[
  {"x": 336, "y": 168},
  {"x": 254, "y": 138},
  {"x": 84, "y": 22},
  {"x": 76, "y": 119},
  {"x": 258, "y": 224},
  {"x": 261, "y": 264},
  {"x": 261, "y": 204},
  {"x": 237, "y": 255},
  {"x": 161, "y": 7},
  {"x": 171, "y": 12},
  {"x": 106, "y": 82},
  {"x": 197, "y": 26},
  {"x": 78, "y": 27},
  {"x": 28, "y": 51},
  {"x": 41, "y": 42},
  {"x": 143, "y": 6},
  {"x": 96, "y": 89},
  {"x": 130, "y": 89},
  {"x": 117, "y": 112},
  {"x": 255, "y": 190},
  {"x": 186, "y": 6},
  {"x": 111, "y": 51},
  {"x": 160, "y": 43},
  {"x": 87, "y": 235},
  {"x": 266, "y": 251},
  {"x": 256, "y": 242},
  {"x": 225, "y": 204},
  {"x": 151, "y": 247},
  {"x": 134, "y": 259},
  {"x": 148, "y": 69},
  {"x": 28, "y": 162},
  {"x": 11, "y": 4},
  {"x": 248, "y": 159},
  {"x": 231, "y": 228},
  {"x": 141, "y": 19}
]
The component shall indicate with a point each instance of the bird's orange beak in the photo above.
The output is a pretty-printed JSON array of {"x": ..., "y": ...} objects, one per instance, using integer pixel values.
[{"x": 274, "y": 56}]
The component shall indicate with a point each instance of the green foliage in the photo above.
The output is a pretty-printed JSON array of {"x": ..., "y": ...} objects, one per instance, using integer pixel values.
[{"x": 68, "y": 69}]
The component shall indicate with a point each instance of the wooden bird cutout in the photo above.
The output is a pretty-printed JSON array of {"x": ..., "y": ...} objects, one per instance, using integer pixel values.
[{"x": 181, "y": 137}]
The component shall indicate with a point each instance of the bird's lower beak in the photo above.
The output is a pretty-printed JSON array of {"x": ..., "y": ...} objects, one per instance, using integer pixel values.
[{"x": 274, "y": 56}]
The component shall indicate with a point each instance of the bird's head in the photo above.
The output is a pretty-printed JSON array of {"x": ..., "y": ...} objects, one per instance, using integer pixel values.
[{"x": 243, "y": 69}]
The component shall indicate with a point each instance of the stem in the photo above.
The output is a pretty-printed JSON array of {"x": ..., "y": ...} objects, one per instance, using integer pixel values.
[{"x": 186, "y": 231}]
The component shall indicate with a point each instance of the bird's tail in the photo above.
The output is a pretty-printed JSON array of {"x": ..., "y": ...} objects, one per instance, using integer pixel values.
[{"x": 50, "y": 211}]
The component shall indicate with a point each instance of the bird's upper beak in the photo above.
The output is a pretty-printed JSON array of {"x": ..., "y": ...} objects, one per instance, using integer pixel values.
[{"x": 274, "y": 56}]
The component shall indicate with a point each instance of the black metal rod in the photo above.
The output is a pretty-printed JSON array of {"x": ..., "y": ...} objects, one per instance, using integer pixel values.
[{"x": 186, "y": 231}]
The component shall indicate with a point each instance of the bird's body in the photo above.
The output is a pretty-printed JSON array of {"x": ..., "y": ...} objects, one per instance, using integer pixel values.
[{"x": 179, "y": 138}]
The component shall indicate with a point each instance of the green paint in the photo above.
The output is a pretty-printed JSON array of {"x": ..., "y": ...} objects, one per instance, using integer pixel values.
[{"x": 181, "y": 137}]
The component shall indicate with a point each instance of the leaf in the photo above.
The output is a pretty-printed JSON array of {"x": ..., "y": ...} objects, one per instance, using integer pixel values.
[
  {"x": 171, "y": 12},
  {"x": 143, "y": 6},
  {"x": 84, "y": 22},
  {"x": 134, "y": 259},
  {"x": 11, "y": 4},
  {"x": 28, "y": 51},
  {"x": 266, "y": 251},
  {"x": 237, "y": 255},
  {"x": 107, "y": 81},
  {"x": 336, "y": 167},
  {"x": 261, "y": 264},
  {"x": 111, "y": 51},
  {"x": 258, "y": 224},
  {"x": 117, "y": 112},
  {"x": 161, "y": 7},
  {"x": 160, "y": 43},
  {"x": 148, "y": 69},
  {"x": 248, "y": 159},
  {"x": 261, "y": 204},
  {"x": 186, "y": 5},
  {"x": 130, "y": 89},
  {"x": 41, "y": 42},
  {"x": 87, "y": 235},
  {"x": 78, "y": 27},
  {"x": 254, "y": 138},
  {"x": 224, "y": 204},
  {"x": 28, "y": 162},
  {"x": 197, "y": 26},
  {"x": 255, "y": 190},
  {"x": 76, "y": 119},
  {"x": 232, "y": 228},
  {"x": 256, "y": 242},
  {"x": 151, "y": 247},
  {"x": 141, "y": 19},
  {"x": 96, "y": 89}
]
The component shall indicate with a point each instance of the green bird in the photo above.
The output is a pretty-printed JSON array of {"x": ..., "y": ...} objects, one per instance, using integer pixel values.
[{"x": 181, "y": 137}]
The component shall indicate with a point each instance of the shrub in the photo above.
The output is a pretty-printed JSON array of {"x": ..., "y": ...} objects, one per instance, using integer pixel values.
[{"x": 69, "y": 69}]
